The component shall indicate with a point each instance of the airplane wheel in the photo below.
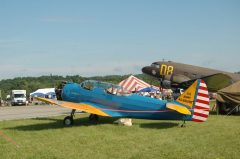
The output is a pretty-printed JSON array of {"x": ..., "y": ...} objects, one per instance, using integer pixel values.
[
  {"x": 93, "y": 117},
  {"x": 68, "y": 121}
]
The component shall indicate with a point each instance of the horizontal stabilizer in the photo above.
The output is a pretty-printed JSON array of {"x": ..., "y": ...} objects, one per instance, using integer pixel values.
[{"x": 178, "y": 108}]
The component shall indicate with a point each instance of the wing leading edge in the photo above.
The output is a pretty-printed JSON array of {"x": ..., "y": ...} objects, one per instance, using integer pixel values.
[
  {"x": 86, "y": 107},
  {"x": 214, "y": 82}
]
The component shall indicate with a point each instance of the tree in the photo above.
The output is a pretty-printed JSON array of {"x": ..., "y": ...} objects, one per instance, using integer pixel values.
[{"x": 31, "y": 84}]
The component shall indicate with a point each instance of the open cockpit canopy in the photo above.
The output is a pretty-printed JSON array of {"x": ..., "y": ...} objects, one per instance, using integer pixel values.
[{"x": 108, "y": 87}]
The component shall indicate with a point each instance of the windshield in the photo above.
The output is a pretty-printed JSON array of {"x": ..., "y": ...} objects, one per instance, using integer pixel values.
[
  {"x": 19, "y": 95},
  {"x": 108, "y": 87},
  {"x": 155, "y": 65}
]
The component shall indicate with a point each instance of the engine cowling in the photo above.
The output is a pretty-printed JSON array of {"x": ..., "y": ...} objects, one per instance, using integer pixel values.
[
  {"x": 59, "y": 89},
  {"x": 166, "y": 84}
]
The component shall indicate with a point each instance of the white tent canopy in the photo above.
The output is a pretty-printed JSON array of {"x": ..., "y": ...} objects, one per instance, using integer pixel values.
[{"x": 44, "y": 91}]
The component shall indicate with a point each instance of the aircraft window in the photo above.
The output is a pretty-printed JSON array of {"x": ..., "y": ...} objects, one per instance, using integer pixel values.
[
  {"x": 119, "y": 91},
  {"x": 122, "y": 92},
  {"x": 108, "y": 87},
  {"x": 155, "y": 65},
  {"x": 111, "y": 90},
  {"x": 87, "y": 85}
]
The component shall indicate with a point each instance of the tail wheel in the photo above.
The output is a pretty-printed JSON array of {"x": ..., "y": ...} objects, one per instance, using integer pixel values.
[{"x": 68, "y": 121}]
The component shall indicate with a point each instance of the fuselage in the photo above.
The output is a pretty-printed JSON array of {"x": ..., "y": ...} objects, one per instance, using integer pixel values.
[
  {"x": 189, "y": 71},
  {"x": 179, "y": 72},
  {"x": 121, "y": 105}
]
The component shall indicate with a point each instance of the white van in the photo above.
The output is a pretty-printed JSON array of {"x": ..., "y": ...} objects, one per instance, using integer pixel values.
[{"x": 18, "y": 97}]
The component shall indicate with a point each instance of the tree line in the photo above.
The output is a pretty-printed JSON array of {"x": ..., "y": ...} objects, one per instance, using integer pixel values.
[{"x": 31, "y": 84}]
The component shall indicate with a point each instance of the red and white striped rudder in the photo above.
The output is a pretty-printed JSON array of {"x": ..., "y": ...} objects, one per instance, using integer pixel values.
[{"x": 201, "y": 105}]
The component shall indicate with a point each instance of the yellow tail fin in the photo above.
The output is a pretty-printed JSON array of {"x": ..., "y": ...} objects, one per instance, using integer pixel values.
[{"x": 187, "y": 98}]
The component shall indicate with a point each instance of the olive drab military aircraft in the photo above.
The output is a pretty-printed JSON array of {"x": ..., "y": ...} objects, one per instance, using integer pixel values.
[
  {"x": 172, "y": 74},
  {"x": 109, "y": 100}
]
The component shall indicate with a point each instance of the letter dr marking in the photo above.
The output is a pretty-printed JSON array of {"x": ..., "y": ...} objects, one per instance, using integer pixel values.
[{"x": 166, "y": 70}]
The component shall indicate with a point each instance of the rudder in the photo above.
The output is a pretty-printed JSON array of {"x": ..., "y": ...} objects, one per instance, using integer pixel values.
[{"x": 201, "y": 108}]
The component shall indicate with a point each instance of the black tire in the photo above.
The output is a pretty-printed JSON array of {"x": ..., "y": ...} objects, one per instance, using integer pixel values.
[
  {"x": 68, "y": 121},
  {"x": 93, "y": 117}
]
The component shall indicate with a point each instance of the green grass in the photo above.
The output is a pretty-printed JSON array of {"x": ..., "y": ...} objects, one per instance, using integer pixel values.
[{"x": 218, "y": 138}]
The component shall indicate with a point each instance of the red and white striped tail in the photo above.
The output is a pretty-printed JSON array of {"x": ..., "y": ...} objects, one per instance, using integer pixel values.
[{"x": 201, "y": 108}]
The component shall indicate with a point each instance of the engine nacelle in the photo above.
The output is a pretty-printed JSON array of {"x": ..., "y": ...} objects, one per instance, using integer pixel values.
[{"x": 166, "y": 84}]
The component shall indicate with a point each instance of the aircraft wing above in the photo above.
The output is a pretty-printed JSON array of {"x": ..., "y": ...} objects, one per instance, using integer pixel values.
[
  {"x": 86, "y": 107},
  {"x": 214, "y": 82}
]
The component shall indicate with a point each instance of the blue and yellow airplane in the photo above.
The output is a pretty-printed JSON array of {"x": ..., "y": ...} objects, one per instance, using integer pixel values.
[{"x": 105, "y": 99}]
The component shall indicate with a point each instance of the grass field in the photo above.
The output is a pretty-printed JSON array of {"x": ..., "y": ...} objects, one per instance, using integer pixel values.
[{"x": 217, "y": 138}]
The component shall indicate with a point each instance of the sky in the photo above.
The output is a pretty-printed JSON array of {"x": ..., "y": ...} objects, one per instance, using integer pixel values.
[{"x": 116, "y": 37}]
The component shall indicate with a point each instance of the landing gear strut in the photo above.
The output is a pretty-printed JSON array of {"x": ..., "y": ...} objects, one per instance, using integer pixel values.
[
  {"x": 183, "y": 124},
  {"x": 93, "y": 118},
  {"x": 68, "y": 120}
]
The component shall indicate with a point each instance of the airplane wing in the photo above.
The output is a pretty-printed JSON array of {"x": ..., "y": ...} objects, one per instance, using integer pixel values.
[
  {"x": 178, "y": 108},
  {"x": 86, "y": 107},
  {"x": 214, "y": 82}
]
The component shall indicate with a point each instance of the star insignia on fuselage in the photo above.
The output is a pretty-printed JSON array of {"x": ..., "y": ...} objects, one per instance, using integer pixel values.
[{"x": 154, "y": 72}]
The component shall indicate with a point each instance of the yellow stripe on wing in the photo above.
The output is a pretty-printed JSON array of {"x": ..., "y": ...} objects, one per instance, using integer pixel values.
[{"x": 78, "y": 106}]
